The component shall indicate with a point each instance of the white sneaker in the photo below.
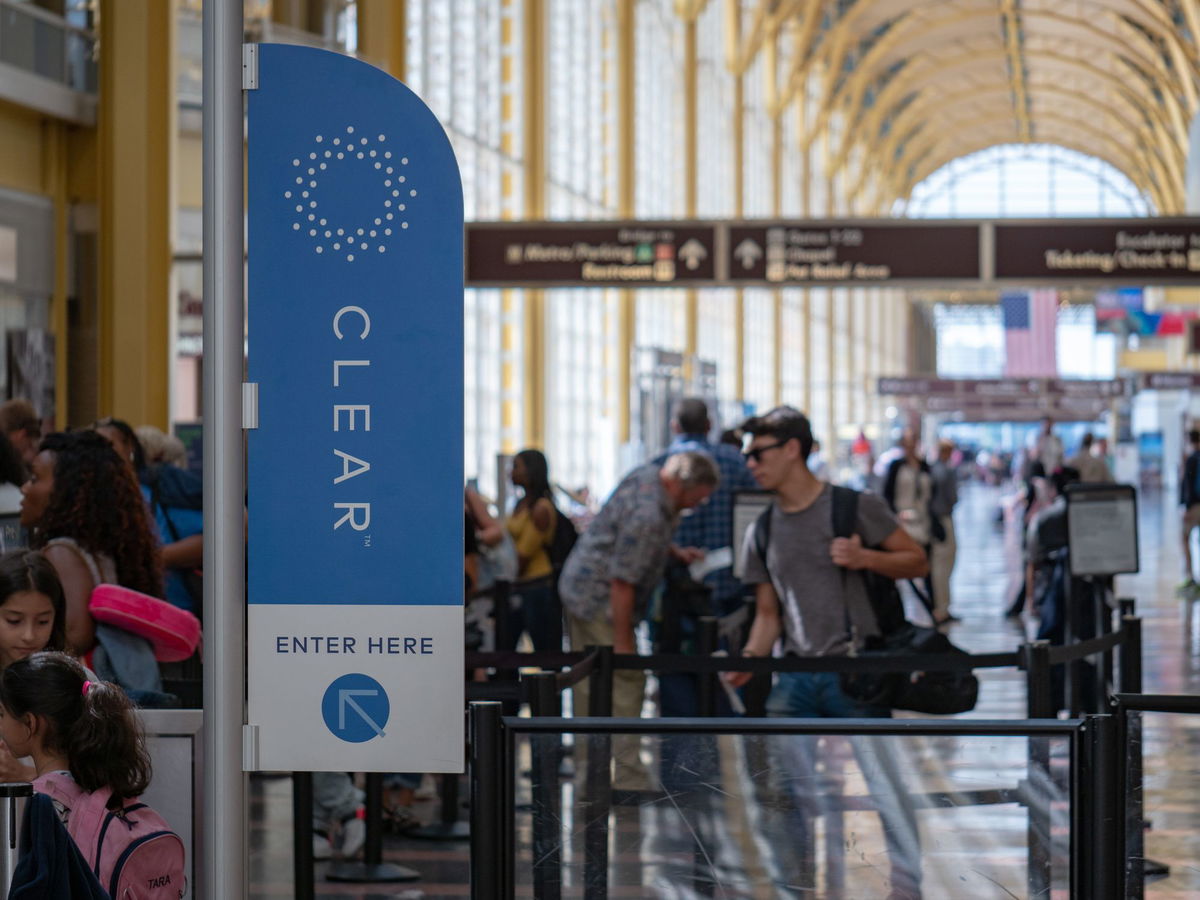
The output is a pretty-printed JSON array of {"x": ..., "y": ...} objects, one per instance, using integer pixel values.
[
  {"x": 354, "y": 835},
  {"x": 322, "y": 849}
]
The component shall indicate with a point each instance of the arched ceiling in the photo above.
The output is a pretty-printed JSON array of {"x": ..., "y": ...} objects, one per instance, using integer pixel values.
[{"x": 905, "y": 86}]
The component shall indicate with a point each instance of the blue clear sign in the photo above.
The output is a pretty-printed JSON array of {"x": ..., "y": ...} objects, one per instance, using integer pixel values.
[
  {"x": 355, "y": 338},
  {"x": 356, "y": 708}
]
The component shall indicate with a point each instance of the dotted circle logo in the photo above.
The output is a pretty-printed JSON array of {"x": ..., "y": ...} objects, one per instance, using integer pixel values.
[{"x": 349, "y": 238}]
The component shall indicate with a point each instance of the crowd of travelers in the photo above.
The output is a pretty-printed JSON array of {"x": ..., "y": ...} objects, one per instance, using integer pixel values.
[{"x": 98, "y": 535}]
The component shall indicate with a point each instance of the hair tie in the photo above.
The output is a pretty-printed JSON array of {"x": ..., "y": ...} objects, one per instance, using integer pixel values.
[{"x": 86, "y": 685}]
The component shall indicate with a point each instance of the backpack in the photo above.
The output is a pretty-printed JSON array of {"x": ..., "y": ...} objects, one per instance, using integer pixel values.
[
  {"x": 940, "y": 693},
  {"x": 565, "y": 536},
  {"x": 132, "y": 851}
]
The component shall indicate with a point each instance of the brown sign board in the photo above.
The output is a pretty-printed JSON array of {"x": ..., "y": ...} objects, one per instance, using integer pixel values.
[
  {"x": 1010, "y": 409},
  {"x": 1131, "y": 251},
  {"x": 597, "y": 254},
  {"x": 798, "y": 253},
  {"x": 850, "y": 253},
  {"x": 1168, "y": 381},
  {"x": 977, "y": 390}
]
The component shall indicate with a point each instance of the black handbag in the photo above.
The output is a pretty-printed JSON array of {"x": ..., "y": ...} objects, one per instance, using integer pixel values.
[{"x": 937, "y": 693}]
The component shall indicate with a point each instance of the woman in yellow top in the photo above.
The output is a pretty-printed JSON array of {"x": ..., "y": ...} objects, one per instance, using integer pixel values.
[{"x": 531, "y": 526}]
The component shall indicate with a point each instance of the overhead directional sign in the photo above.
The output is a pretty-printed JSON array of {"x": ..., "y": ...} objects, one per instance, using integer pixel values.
[
  {"x": 355, "y": 546},
  {"x": 1131, "y": 251},
  {"x": 1168, "y": 381},
  {"x": 992, "y": 388},
  {"x": 1006, "y": 399},
  {"x": 851, "y": 252},
  {"x": 836, "y": 253},
  {"x": 598, "y": 254}
]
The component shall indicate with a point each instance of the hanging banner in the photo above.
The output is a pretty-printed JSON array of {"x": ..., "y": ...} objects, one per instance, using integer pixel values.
[{"x": 354, "y": 480}]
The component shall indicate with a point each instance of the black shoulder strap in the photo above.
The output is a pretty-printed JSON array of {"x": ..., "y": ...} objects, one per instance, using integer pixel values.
[
  {"x": 845, "y": 511},
  {"x": 762, "y": 532}
]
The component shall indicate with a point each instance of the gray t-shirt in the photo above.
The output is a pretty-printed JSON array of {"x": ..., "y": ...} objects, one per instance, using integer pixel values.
[{"x": 810, "y": 587}]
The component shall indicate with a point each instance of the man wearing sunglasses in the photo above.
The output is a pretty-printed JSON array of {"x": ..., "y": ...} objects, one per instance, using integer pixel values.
[{"x": 809, "y": 594}]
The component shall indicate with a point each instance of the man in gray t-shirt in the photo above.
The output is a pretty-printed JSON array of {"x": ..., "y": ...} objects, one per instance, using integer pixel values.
[{"x": 809, "y": 593}]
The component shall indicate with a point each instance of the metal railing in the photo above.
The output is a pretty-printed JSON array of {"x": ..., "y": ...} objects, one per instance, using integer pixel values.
[{"x": 46, "y": 45}]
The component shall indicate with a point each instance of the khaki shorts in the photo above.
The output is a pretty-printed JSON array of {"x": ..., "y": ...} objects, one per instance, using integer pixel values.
[{"x": 1191, "y": 517}]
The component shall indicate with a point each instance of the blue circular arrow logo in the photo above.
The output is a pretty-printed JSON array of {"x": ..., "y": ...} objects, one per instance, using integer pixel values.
[{"x": 356, "y": 708}]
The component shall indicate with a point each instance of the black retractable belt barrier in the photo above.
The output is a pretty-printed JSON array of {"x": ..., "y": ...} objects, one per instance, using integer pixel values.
[
  {"x": 372, "y": 870},
  {"x": 302, "y": 835},
  {"x": 1131, "y": 655},
  {"x": 490, "y": 865},
  {"x": 1040, "y": 705},
  {"x": 1095, "y": 811},
  {"x": 545, "y": 701},
  {"x": 448, "y": 827},
  {"x": 598, "y": 781},
  {"x": 706, "y": 682}
]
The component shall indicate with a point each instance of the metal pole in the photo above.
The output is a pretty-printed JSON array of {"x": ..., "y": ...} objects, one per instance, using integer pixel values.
[
  {"x": 1036, "y": 661},
  {"x": 706, "y": 682},
  {"x": 544, "y": 700},
  {"x": 487, "y": 792},
  {"x": 225, "y": 829},
  {"x": 1131, "y": 655},
  {"x": 302, "y": 836},
  {"x": 15, "y": 795}
]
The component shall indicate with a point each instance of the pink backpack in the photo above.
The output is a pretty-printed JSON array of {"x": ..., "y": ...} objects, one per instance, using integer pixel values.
[{"x": 133, "y": 851}]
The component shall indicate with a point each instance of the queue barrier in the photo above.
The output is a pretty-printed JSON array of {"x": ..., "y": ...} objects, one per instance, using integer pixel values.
[
  {"x": 1081, "y": 855},
  {"x": 598, "y": 664}
]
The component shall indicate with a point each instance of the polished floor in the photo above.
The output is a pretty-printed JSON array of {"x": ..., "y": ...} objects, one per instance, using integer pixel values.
[{"x": 978, "y": 854}]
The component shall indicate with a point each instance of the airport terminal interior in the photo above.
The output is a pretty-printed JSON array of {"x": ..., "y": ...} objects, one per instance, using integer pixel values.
[{"x": 955, "y": 236}]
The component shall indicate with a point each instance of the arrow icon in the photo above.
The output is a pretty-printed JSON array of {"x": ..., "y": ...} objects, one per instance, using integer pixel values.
[
  {"x": 346, "y": 698},
  {"x": 748, "y": 252},
  {"x": 692, "y": 253}
]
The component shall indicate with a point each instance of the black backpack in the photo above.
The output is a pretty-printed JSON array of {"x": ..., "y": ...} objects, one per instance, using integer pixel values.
[
  {"x": 941, "y": 693},
  {"x": 563, "y": 541}
]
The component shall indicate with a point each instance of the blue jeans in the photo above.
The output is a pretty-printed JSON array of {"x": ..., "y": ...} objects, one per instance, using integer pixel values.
[
  {"x": 812, "y": 695},
  {"x": 539, "y": 613}
]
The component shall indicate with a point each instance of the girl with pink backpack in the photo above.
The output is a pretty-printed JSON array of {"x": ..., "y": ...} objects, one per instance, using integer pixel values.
[{"x": 91, "y": 759}]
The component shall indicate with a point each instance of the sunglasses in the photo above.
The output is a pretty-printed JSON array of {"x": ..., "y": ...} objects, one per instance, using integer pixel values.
[{"x": 756, "y": 453}]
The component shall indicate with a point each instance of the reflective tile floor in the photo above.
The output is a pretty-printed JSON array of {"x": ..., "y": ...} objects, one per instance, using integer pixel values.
[{"x": 968, "y": 852}]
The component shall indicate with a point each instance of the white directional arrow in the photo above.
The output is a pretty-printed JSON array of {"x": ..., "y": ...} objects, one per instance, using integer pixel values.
[
  {"x": 692, "y": 253},
  {"x": 748, "y": 252},
  {"x": 346, "y": 698}
]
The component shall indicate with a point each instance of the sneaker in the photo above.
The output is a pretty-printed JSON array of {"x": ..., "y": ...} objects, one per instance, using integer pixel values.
[
  {"x": 1187, "y": 588},
  {"x": 354, "y": 835},
  {"x": 322, "y": 849}
]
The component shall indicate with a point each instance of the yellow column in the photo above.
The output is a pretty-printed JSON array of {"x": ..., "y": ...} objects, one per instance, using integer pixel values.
[
  {"x": 54, "y": 182},
  {"x": 381, "y": 34},
  {"x": 772, "y": 73},
  {"x": 535, "y": 208},
  {"x": 510, "y": 335},
  {"x": 691, "y": 179},
  {"x": 739, "y": 207},
  {"x": 137, "y": 138},
  {"x": 805, "y": 210},
  {"x": 626, "y": 193}
]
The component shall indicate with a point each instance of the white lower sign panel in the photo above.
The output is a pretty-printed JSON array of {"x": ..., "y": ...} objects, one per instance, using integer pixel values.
[{"x": 376, "y": 688}]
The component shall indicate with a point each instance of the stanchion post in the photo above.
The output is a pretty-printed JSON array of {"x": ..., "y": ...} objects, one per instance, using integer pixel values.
[
  {"x": 302, "y": 835},
  {"x": 1035, "y": 658},
  {"x": 1039, "y": 697},
  {"x": 372, "y": 869},
  {"x": 598, "y": 801},
  {"x": 487, "y": 813},
  {"x": 1131, "y": 655},
  {"x": 706, "y": 682},
  {"x": 1098, "y": 869},
  {"x": 1127, "y": 606},
  {"x": 544, "y": 700},
  {"x": 600, "y": 691}
]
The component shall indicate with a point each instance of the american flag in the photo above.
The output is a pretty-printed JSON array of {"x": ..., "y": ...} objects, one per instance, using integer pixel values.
[{"x": 1030, "y": 323}]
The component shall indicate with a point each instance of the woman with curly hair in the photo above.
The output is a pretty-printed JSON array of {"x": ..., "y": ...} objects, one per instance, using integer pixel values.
[{"x": 84, "y": 510}]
